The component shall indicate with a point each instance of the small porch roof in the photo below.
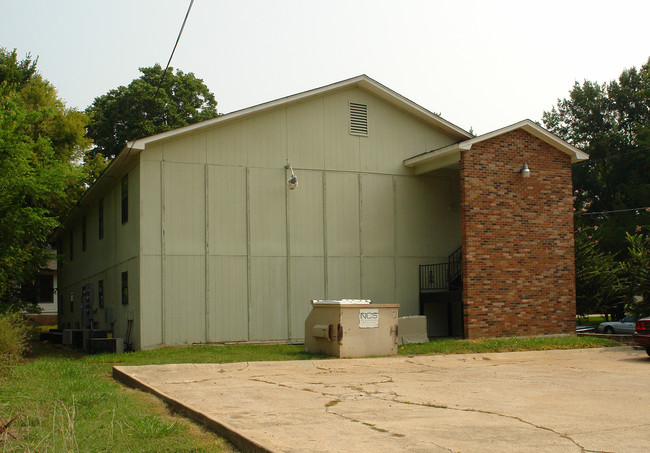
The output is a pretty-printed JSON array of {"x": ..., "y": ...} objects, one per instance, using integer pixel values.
[{"x": 450, "y": 155}]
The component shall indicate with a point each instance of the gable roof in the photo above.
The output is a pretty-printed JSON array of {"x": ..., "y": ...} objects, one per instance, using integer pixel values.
[
  {"x": 128, "y": 155},
  {"x": 361, "y": 81},
  {"x": 449, "y": 155}
]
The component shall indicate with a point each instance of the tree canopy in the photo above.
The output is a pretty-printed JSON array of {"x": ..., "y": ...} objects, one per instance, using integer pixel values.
[
  {"x": 142, "y": 109},
  {"x": 43, "y": 170},
  {"x": 611, "y": 122}
]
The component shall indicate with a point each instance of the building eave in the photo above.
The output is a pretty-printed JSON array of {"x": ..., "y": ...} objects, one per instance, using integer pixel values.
[
  {"x": 362, "y": 81},
  {"x": 133, "y": 148},
  {"x": 449, "y": 155}
]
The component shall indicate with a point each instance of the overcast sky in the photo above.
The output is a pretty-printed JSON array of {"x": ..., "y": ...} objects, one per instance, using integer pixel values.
[{"x": 481, "y": 64}]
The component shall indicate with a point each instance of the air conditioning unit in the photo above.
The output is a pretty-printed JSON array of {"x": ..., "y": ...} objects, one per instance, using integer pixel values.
[
  {"x": 67, "y": 337},
  {"x": 106, "y": 345},
  {"x": 89, "y": 334},
  {"x": 73, "y": 337}
]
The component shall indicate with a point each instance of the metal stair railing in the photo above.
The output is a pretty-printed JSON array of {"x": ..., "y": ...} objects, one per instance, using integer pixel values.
[{"x": 442, "y": 276}]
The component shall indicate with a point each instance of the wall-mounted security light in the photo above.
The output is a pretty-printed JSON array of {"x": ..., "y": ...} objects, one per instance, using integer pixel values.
[
  {"x": 525, "y": 171},
  {"x": 292, "y": 182}
]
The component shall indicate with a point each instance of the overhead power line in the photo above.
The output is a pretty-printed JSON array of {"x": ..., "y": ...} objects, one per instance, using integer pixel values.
[
  {"x": 617, "y": 211},
  {"x": 178, "y": 38},
  {"x": 189, "y": 8}
]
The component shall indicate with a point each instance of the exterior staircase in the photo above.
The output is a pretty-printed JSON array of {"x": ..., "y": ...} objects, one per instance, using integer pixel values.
[
  {"x": 441, "y": 296},
  {"x": 443, "y": 277}
]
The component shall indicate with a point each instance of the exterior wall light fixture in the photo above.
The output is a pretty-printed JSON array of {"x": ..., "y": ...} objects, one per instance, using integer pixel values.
[
  {"x": 292, "y": 182},
  {"x": 525, "y": 171}
]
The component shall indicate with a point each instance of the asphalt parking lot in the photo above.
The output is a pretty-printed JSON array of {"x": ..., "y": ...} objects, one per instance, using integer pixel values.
[{"x": 586, "y": 400}]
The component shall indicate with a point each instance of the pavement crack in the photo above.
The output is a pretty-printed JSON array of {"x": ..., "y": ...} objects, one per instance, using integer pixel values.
[
  {"x": 264, "y": 381},
  {"x": 378, "y": 396},
  {"x": 193, "y": 381},
  {"x": 486, "y": 412},
  {"x": 371, "y": 426},
  {"x": 374, "y": 427}
]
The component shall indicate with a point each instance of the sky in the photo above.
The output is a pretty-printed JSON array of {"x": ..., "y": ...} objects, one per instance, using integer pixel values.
[{"x": 480, "y": 64}]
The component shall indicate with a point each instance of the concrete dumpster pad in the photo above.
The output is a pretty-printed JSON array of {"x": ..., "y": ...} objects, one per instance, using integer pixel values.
[{"x": 555, "y": 401}]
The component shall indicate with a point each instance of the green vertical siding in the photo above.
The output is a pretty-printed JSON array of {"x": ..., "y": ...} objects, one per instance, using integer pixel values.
[
  {"x": 104, "y": 259},
  {"x": 232, "y": 255}
]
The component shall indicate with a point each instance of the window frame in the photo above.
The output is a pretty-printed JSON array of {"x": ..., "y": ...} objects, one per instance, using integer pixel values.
[
  {"x": 125, "y": 288},
  {"x": 100, "y": 219},
  {"x": 71, "y": 245},
  {"x": 84, "y": 233},
  {"x": 125, "y": 198},
  {"x": 49, "y": 278},
  {"x": 100, "y": 293}
]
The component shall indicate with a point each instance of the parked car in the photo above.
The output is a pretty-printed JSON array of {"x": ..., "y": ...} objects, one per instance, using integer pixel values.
[
  {"x": 625, "y": 325},
  {"x": 641, "y": 335},
  {"x": 584, "y": 329}
]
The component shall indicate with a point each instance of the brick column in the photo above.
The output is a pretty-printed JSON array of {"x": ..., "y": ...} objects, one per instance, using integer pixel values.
[{"x": 518, "y": 254}]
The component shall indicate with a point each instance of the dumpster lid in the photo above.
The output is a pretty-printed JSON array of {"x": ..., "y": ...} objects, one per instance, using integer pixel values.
[{"x": 342, "y": 302}]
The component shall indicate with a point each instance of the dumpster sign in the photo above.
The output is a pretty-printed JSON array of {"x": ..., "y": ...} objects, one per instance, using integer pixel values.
[{"x": 368, "y": 318}]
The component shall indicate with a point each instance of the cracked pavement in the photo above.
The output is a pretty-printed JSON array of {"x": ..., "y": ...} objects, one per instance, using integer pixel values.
[{"x": 587, "y": 400}]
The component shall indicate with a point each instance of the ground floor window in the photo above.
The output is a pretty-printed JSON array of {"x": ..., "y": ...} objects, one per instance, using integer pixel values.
[
  {"x": 125, "y": 288},
  {"x": 45, "y": 289},
  {"x": 100, "y": 293}
]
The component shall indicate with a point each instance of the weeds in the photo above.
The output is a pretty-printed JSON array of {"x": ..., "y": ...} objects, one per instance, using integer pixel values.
[
  {"x": 72, "y": 405},
  {"x": 13, "y": 340}
]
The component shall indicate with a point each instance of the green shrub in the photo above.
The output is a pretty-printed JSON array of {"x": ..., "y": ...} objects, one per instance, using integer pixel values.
[{"x": 13, "y": 339}]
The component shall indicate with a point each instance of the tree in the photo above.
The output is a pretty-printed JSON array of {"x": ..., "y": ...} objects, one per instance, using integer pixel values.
[
  {"x": 611, "y": 122},
  {"x": 42, "y": 172},
  {"x": 600, "y": 283},
  {"x": 637, "y": 269},
  {"x": 141, "y": 109}
]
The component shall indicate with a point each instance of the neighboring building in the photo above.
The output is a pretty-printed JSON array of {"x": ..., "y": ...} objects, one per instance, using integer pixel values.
[
  {"x": 194, "y": 235},
  {"x": 43, "y": 293}
]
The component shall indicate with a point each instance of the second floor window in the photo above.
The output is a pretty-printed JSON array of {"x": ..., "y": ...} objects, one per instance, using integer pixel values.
[
  {"x": 125, "y": 198},
  {"x": 83, "y": 233},
  {"x": 71, "y": 254},
  {"x": 100, "y": 215}
]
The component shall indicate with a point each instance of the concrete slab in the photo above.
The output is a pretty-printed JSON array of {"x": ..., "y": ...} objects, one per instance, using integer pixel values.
[{"x": 548, "y": 401}]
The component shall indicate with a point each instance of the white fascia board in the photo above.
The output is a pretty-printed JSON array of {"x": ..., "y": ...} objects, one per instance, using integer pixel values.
[
  {"x": 447, "y": 160},
  {"x": 438, "y": 155},
  {"x": 449, "y": 155},
  {"x": 96, "y": 190},
  {"x": 363, "y": 81},
  {"x": 411, "y": 107},
  {"x": 536, "y": 131},
  {"x": 141, "y": 143}
]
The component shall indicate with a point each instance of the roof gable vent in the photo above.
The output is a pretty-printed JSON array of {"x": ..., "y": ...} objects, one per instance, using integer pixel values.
[{"x": 358, "y": 119}]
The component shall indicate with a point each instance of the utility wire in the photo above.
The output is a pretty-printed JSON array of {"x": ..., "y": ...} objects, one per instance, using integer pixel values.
[
  {"x": 643, "y": 208},
  {"x": 178, "y": 38},
  {"x": 174, "y": 49},
  {"x": 132, "y": 142}
]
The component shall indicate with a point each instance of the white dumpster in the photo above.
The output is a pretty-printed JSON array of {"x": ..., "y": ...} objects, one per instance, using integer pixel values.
[{"x": 351, "y": 328}]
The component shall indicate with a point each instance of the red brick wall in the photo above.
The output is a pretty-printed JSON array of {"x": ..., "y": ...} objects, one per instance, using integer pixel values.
[
  {"x": 44, "y": 320},
  {"x": 518, "y": 258}
]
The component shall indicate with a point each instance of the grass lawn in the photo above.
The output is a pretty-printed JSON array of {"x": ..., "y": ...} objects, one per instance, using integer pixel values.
[
  {"x": 591, "y": 320},
  {"x": 59, "y": 400}
]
